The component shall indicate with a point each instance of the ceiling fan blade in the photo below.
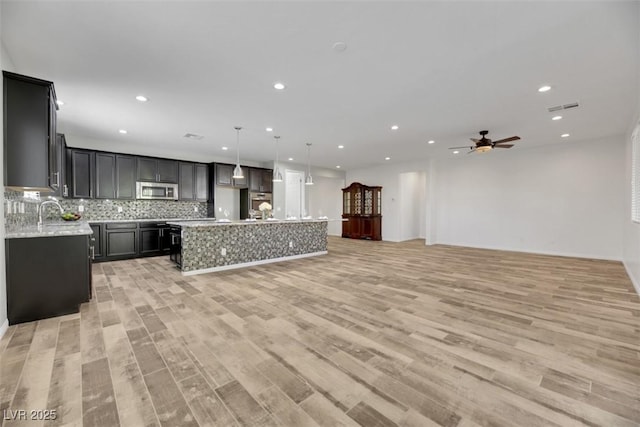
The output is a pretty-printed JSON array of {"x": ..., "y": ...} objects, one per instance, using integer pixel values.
[
  {"x": 475, "y": 140},
  {"x": 513, "y": 138},
  {"x": 455, "y": 148},
  {"x": 503, "y": 146},
  {"x": 471, "y": 151}
]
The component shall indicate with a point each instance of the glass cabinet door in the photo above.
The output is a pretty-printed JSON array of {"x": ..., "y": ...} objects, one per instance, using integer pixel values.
[
  {"x": 346, "y": 203},
  {"x": 368, "y": 202}
]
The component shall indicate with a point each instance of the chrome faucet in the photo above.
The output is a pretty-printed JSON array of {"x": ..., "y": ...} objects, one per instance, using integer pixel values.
[{"x": 40, "y": 206}]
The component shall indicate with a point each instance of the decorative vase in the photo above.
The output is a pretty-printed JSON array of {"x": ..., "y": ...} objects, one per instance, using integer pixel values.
[{"x": 264, "y": 214}]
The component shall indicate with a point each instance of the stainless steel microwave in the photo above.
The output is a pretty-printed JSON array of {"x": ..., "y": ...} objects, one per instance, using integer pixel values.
[{"x": 156, "y": 191}]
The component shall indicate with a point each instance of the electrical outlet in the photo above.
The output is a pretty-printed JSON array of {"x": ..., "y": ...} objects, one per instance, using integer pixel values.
[
  {"x": 195, "y": 209},
  {"x": 81, "y": 208},
  {"x": 290, "y": 244},
  {"x": 119, "y": 209},
  {"x": 223, "y": 251}
]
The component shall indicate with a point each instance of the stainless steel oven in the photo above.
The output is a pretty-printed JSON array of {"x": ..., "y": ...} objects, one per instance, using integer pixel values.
[
  {"x": 258, "y": 198},
  {"x": 156, "y": 191}
]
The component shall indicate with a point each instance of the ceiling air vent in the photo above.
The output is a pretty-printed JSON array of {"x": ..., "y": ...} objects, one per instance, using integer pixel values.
[
  {"x": 563, "y": 107},
  {"x": 192, "y": 136}
]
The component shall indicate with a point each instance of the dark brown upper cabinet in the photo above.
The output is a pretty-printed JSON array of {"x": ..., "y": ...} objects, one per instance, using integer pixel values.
[
  {"x": 31, "y": 160},
  {"x": 157, "y": 170}
]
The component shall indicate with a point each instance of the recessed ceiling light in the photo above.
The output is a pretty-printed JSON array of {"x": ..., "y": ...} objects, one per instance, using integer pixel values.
[
  {"x": 565, "y": 135},
  {"x": 338, "y": 167},
  {"x": 278, "y": 86},
  {"x": 544, "y": 88},
  {"x": 387, "y": 158},
  {"x": 339, "y": 46},
  {"x": 456, "y": 152},
  {"x": 122, "y": 131},
  {"x": 192, "y": 136},
  {"x": 394, "y": 127},
  {"x": 431, "y": 141},
  {"x": 341, "y": 146},
  {"x": 225, "y": 148},
  {"x": 60, "y": 103},
  {"x": 291, "y": 159},
  {"x": 142, "y": 98},
  {"x": 556, "y": 117},
  {"x": 269, "y": 129}
]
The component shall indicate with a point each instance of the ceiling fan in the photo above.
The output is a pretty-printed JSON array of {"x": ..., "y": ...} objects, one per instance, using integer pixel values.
[{"x": 484, "y": 144}]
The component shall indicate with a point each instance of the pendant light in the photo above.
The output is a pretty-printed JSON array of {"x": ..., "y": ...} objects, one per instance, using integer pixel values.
[
  {"x": 277, "y": 176},
  {"x": 308, "y": 180},
  {"x": 237, "y": 171}
]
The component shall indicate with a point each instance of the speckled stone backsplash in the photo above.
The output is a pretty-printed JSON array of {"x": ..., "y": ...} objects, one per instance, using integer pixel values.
[{"x": 20, "y": 211}]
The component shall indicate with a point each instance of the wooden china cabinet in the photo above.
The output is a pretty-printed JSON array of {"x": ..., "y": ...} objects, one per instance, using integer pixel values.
[{"x": 361, "y": 206}]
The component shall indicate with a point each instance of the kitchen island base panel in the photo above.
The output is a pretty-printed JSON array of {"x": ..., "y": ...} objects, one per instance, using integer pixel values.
[
  {"x": 251, "y": 264},
  {"x": 207, "y": 247}
]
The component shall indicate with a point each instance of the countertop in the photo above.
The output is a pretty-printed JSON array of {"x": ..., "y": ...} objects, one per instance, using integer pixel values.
[
  {"x": 195, "y": 224},
  {"x": 72, "y": 228},
  {"x": 102, "y": 221},
  {"x": 78, "y": 228}
]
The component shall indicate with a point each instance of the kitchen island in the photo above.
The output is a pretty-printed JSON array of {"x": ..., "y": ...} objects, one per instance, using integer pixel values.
[{"x": 208, "y": 246}]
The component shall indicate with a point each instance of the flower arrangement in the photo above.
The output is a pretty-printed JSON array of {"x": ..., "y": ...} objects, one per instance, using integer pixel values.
[{"x": 264, "y": 206}]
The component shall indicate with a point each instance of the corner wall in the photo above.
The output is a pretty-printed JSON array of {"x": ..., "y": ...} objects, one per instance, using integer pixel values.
[
  {"x": 404, "y": 199},
  {"x": 631, "y": 243},
  {"x": 562, "y": 199}
]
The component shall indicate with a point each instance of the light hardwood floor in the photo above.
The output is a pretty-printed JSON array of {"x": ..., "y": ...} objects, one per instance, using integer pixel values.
[{"x": 375, "y": 333}]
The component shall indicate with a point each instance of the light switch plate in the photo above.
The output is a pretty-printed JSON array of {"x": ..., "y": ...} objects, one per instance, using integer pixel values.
[
  {"x": 81, "y": 208},
  {"x": 119, "y": 209}
]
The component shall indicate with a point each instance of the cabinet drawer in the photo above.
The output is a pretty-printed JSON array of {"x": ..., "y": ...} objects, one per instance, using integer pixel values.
[
  {"x": 152, "y": 224},
  {"x": 121, "y": 225}
]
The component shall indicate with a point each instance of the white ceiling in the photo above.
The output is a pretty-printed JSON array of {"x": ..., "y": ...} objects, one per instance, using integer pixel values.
[{"x": 439, "y": 70}]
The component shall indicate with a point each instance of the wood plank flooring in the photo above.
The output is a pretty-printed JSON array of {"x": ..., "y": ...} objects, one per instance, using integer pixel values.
[{"x": 373, "y": 334}]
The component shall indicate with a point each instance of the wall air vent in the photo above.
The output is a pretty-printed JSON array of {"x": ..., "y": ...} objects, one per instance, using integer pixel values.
[
  {"x": 192, "y": 136},
  {"x": 563, "y": 107}
]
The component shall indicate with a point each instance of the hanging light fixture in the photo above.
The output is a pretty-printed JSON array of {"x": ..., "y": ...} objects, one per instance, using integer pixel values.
[
  {"x": 277, "y": 176},
  {"x": 237, "y": 171},
  {"x": 308, "y": 180}
]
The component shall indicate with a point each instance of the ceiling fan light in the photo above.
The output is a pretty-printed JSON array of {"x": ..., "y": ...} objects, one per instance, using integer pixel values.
[
  {"x": 237, "y": 172},
  {"x": 308, "y": 180},
  {"x": 484, "y": 148}
]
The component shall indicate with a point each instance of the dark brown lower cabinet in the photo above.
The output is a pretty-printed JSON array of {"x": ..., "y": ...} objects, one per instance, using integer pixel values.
[
  {"x": 362, "y": 227},
  {"x": 154, "y": 239},
  {"x": 121, "y": 240},
  {"x": 47, "y": 276}
]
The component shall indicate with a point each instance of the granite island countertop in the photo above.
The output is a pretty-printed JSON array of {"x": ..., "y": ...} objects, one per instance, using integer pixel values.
[
  {"x": 210, "y": 223},
  {"x": 102, "y": 221},
  {"x": 78, "y": 228}
]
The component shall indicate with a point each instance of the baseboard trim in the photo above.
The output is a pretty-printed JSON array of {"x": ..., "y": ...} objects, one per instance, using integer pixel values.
[
  {"x": 635, "y": 281},
  {"x": 4, "y": 328},
  {"x": 251, "y": 264},
  {"x": 552, "y": 253}
]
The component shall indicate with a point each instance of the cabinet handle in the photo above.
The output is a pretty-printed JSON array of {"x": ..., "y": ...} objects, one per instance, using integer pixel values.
[
  {"x": 93, "y": 252},
  {"x": 161, "y": 232},
  {"x": 65, "y": 191},
  {"x": 57, "y": 179}
]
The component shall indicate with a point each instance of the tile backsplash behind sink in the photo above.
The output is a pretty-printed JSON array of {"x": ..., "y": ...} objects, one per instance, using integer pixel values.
[{"x": 20, "y": 210}]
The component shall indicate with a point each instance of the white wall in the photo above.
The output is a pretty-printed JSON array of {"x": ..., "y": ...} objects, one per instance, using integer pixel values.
[
  {"x": 227, "y": 199},
  {"x": 324, "y": 195},
  {"x": 325, "y": 199},
  {"x": 403, "y": 210},
  {"x": 564, "y": 199},
  {"x": 631, "y": 231},
  {"x": 412, "y": 192}
]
